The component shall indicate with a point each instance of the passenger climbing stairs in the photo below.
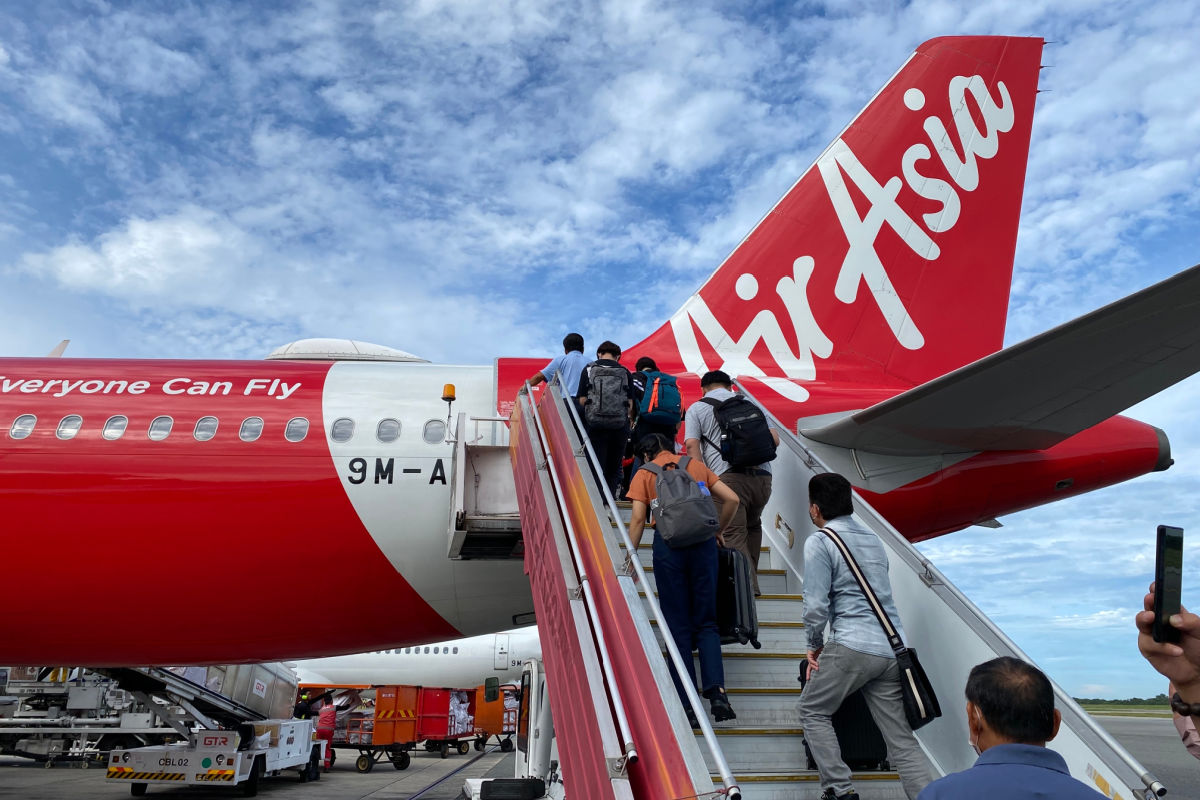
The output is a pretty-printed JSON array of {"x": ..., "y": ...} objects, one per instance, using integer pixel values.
[
  {"x": 764, "y": 745},
  {"x": 619, "y": 728}
]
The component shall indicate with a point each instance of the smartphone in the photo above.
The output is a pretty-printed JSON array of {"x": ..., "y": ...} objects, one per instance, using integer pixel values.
[{"x": 1168, "y": 580}]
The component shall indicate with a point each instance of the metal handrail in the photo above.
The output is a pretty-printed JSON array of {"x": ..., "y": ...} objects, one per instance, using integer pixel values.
[
  {"x": 951, "y": 593},
  {"x": 732, "y": 790},
  {"x": 628, "y": 747}
]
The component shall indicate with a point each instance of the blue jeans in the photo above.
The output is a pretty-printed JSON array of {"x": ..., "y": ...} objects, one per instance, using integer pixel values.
[{"x": 687, "y": 594}]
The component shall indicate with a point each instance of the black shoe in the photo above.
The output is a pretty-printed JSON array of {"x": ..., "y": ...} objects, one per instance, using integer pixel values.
[
  {"x": 829, "y": 795},
  {"x": 718, "y": 703}
]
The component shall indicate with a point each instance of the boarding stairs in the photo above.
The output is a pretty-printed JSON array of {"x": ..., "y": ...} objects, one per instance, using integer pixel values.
[{"x": 626, "y": 708}]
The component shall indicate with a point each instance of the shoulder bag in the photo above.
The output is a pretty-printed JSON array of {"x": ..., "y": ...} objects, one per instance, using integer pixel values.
[{"x": 920, "y": 702}]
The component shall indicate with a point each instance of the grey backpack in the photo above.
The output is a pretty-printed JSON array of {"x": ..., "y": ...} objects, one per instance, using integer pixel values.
[
  {"x": 608, "y": 393},
  {"x": 683, "y": 514}
]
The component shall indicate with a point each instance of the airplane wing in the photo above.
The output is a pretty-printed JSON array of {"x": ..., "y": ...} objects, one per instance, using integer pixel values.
[{"x": 1039, "y": 392}]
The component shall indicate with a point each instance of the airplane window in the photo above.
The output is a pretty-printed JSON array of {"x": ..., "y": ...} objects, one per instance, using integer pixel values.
[
  {"x": 115, "y": 427},
  {"x": 435, "y": 431},
  {"x": 408, "y": 650},
  {"x": 436, "y": 650},
  {"x": 160, "y": 428},
  {"x": 388, "y": 431},
  {"x": 341, "y": 430},
  {"x": 69, "y": 426},
  {"x": 456, "y": 651},
  {"x": 297, "y": 429},
  {"x": 252, "y": 428},
  {"x": 426, "y": 651},
  {"x": 22, "y": 426},
  {"x": 206, "y": 428}
]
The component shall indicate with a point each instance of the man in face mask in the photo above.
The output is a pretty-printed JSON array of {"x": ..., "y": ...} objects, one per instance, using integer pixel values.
[{"x": 1011, "y": 716}]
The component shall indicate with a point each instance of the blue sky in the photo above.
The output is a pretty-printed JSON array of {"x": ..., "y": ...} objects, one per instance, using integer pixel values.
[{"x": 468, "y": 179}]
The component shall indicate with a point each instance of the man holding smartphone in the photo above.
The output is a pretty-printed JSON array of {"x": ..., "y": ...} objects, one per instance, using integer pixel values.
[
  {"x": 1178, "y": 662},
  {"x": 1169, "y": 637}
]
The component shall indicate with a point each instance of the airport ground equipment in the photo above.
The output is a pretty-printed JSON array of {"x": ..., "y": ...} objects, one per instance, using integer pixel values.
[
  {"x": 400, "y": 719},
  {"x": 387, "y": 730},
  {"x": 497, "y": 717},
  {"x": 234, "y": 720},
  {"x": 71, "y": 715},
  {"x": 446, "y": 719},
  {"x": 239, "y": 757},
  {"x": 625, "y": 733}
]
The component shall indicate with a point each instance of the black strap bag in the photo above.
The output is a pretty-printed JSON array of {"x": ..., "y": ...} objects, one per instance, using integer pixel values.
[{"x": 920, "y": 701}]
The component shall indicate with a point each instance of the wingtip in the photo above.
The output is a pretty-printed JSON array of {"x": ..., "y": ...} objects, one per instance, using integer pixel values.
[{"x": 1164, "y": 451}]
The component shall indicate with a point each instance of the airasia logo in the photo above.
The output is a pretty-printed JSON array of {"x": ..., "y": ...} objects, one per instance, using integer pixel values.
[{"x": 861, "y": 265}]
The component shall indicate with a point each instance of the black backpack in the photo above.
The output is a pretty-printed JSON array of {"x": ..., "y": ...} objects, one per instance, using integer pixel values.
[
  {"x": 746, "y": 439},
  {"x": 608, "y": 389}
]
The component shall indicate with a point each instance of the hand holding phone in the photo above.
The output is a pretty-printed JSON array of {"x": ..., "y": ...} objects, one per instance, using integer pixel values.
[{"x": 1168, "y": 582}]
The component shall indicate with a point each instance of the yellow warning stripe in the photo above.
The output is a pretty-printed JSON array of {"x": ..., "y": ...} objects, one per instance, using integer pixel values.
[
  {"x": 129, "y": 774},
  {"x": 215, "y": 775},
  {"x": 403, "y": 713}
]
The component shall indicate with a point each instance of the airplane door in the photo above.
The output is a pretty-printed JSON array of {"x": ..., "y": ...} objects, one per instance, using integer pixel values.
[{"x": 502, "y": 651}]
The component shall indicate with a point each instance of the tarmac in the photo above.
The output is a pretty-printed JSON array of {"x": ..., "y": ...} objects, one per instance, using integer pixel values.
[
  {"x": 428, "y": 777},
  {"x": 1152, "y": 741}
]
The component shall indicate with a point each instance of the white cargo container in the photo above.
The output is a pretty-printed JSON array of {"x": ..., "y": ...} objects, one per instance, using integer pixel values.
[{"x": 229, "y": 758}]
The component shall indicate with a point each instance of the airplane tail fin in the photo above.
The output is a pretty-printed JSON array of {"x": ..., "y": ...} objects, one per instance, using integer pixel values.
[{"x": 890, "y": 259}]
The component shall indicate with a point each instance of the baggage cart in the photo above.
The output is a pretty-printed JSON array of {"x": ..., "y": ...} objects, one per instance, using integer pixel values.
[
  {"x": 497, "y": 718},
  {"x": 446, "y": 719},
  {"x": 387, "y": 731}
]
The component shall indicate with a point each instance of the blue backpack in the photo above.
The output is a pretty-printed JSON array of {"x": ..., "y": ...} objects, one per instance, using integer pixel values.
[{"x": 661, "y": 403}]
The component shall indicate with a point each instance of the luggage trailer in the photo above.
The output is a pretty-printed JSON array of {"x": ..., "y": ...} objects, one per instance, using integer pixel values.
[{"x": 402, "y": 717}]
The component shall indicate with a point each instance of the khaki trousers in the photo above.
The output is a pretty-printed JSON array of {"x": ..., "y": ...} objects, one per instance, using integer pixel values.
[{"x": 745, "y": 531}]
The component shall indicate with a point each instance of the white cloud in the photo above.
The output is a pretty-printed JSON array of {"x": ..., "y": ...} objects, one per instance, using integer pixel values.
[
  {"x": 1111, "y": 618},
  {"x": 73, "y": 103},
  {"x": 174, "y": 259}
]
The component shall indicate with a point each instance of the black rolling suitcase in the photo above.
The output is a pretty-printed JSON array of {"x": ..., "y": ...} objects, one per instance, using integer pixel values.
[
  {"x": 737, "y": 618},
  {"x": 858, "y": 736}
]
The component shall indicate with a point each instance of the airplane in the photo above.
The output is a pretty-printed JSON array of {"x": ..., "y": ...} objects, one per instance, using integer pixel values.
[
  {"x": 460, "y": 663},
  {"x": 866, "y": 310}
]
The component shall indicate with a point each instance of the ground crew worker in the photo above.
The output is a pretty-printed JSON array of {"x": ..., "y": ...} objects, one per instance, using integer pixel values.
[{"x": 326, "y": 724}]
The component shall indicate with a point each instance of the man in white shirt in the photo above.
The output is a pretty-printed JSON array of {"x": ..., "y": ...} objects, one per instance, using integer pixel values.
[{"x": 752, "y": 484}]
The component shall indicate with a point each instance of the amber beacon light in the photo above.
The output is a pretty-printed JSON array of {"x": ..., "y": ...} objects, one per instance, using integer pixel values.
[{"x": 448, "y": 392}]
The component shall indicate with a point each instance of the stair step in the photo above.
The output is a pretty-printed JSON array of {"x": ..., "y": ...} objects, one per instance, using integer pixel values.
[
  {"x": 763, "y": 707},
  {"x": 775, "y": 607},
  {"x": 756, "y": 669},
  {"x": 783, "y": 784},
  {"x": 757, "y": 749},
  {"x": 770, "y": 581},
  {"x": 775, "y": 637}
]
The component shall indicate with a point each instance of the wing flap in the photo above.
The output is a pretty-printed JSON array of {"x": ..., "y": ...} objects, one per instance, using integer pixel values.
[{"x": 1037, "y": 393}]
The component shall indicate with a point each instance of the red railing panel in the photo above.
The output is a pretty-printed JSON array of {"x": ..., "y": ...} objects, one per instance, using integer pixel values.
[
  {"x": 661, "y": 772},
  {"x": 577, "y": 728}
]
